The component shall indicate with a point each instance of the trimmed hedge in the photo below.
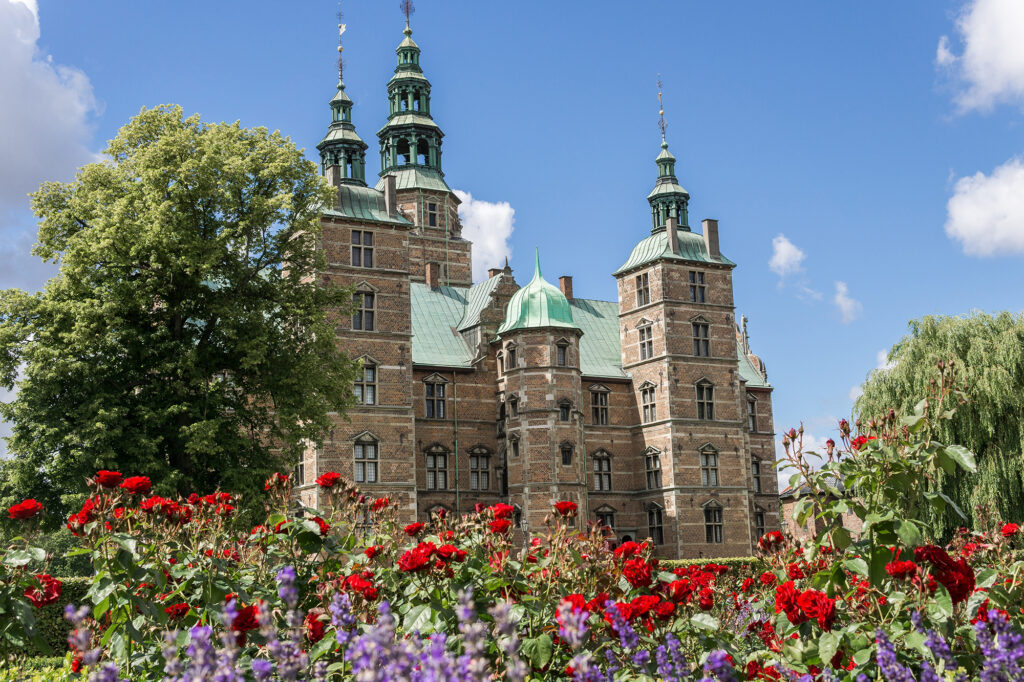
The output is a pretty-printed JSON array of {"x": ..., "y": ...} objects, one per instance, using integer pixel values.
[
  {"x": 41, "y": 669},
  {"x": 732, "y": 562},
  {"x": 51, "y": 624}
]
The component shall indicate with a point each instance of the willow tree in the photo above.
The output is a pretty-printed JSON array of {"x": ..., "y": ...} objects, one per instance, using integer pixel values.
[
  {"x": 184, "y": 336},
  {"x": 988, "y": 357}
]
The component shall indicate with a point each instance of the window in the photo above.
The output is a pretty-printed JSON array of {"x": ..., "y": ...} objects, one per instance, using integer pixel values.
[
  {"x": 362, "y": 319},
  {"x": 479, "y": 469},
  {"x": 705, "y": 401},
  {"x": 701, "y": 343},
  {"x": 515, "y": 447},
  {"x": 432, "y": 215},
  {"x": 646, "y": 342},
  {"x": 435, "y": 400},
  {"x": 362, "y": 249},
  {"x": 713, "y": 524},
  {"x": 562, "y": 355},
  {"x": 512, "y": 360},
  {"x": 501, "y": 364},
  {"x": 566, "y": 450},
  {"x": 755, "y": 467},
  {"x": 652, "y": 462},
  {"x": 650, "y": 410},
  {"x": 300, "y": 473},
  {"x": 708, "y": 466},
  {"x": 697, "y": 287},
  {"x": 513, "y": 406},
  {"x": 752, "y": 414},
  {"x": 564, "y": 410},
  {"x": 643, "y": 290},
  {"x": 599, "y": 407},
  {"x": 437, "y": 468},
  {"x": 606, "y": 519},
  {"x": 602, "y": 472},
  {"x": 365, "y": 386},
  {"x": 759, "y": 524},
  {"x": 655, "y": 524},
  {"x": 366, "y": 460}
]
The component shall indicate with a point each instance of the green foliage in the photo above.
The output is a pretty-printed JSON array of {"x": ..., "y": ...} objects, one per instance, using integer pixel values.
[
  {"x": 752, "y": 563},
  {"x": 42, "y": 669},
  {"x": 987, "y": 354},
  {"x": 186, "y": 336}
]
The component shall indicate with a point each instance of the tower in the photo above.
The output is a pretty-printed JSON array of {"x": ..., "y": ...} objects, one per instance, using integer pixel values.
[{"x": 342, "y": 151}]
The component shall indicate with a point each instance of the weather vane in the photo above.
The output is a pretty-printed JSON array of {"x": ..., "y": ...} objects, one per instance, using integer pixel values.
[
  {"x": 407, "y": 10},
  {"x": 341, "y": 32},
  {"x": 661, "y": 111}
]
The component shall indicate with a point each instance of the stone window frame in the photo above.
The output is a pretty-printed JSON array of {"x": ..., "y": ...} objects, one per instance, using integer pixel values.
[
  {"x": 756, "y": 474},
  {"x": 605, "y": 516},
  {"x": 564, "y": 410},
  {"x": 656, "y": 523},
  {"x": 700, "y": 330},
  {"x": 698, "y": 287},
  {"x": 513, "y": 442},
  {"x": 652, "y": 468},
  {"x": 645, "y": 338},
  {"x": 500, "y": 358},
  {"x": 602, "y": 469},
  {"x": 648, "y": 402},
  {"x": 363, "y": 464},
  {"x": 751, "y": 413},
  {"x": 710, "y": 475},
  {"x": 599, "y": 399},
  {"x": 361, "y": 248},
  {"x": 643, "y": 289},
  {"x": 566, "y": 448},
  {"x": 714, "y": 525},
  {"x": 760, "y": 521},
  {"x": 513, "y": 405},
  {"x": 435, "y": 395},
  {"x": 480, "y": 468},
  {"x": 437, "y": 458},
  {"x": 562, "y": 353},
  {"x": 511, "y": 351},
  {"x": 705, "y": 399},
  {"x": 364, "y": 315}
]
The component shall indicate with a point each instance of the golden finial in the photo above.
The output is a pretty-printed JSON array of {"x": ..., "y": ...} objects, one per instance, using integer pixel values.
[
  {"x": 341, "y": 32},
  {"x": 661, "y": 112},
  {"x": 407, "y": 10}
]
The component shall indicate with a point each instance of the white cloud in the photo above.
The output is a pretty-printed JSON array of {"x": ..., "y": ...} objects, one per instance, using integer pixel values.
[
  {"x": 883, "y": 360},
  {"x": 849, "y": 308},
  {"x": 991, "y": 67},
  {"x": 488, "y": 225},
  {"x": 786, "y": 257},
  {"x": 986, "y": 212},
  {"x": 855, "y": 392}
]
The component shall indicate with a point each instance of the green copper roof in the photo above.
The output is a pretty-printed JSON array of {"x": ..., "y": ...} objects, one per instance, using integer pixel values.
[
  {"x": 600, "y": 346},
  {"x": 416, "y": 177},
  {"x": 655, "y": 247},
  {"x": 749, "y": 372},
  {"x": 340, "y": 96},
  {"x": 408, "y": 119},
  {"x": 363, "y": 203},
  {"x": 341, "y": 133},
  {"x": 538, "y": 304},
  {"x": 436, "y": 313},
  {"x": 478, "y": 298},
  {"x": 666, "y": 188}
]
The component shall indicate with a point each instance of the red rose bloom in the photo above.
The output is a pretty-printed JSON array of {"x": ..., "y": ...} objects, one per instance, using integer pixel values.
[
  {"x": 176, "y": 611},
  {"x": 816, "y": 605},
  {"x": 707, "y": 599},
  {"x": 786, "y": 596},
  {"x": 566, "y": 508},
  {"x": 413, "y": 529},
  {"x": 108, "y": 479},
  {"x": 276, "y": 480},
  {"x": 323, "y": 525},
  {"x": 315, "y": 628},
  {"x": 858, "y": 442},
  {"x": 502, "y": 511},
  {"x": 665, "y": 610},
  {"x": 642, "y": 604},
  {"x": 1009, "y": 530},
  {"x": 451, "y": 553},
  {"x": 958, "y": 579},
  {"x": 901, "y": 570},
  {"x": 768, "y": 579},
  {"x": 328, "y": 480},
  {"x": 628, "y": 549},
  {"x": 25, "y": 509},
  {"x": 748, "y": 584},
  {"x": 245, "y": 620},
  {"x": 637, "y": 572},
  {"x": 137, "y": 485},
  {"x": 771, "y": 541},
  {"x": 499, "y": 526},
  {"x": 379, "y": 504},
  {"x": 418, "y": 558},
  {"x": 372, "y": 551},
  {"x": 48, "y": 591}
]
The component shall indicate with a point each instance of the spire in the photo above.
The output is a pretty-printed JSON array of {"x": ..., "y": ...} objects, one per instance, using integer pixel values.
[
  {"x": 342, "y": 151},
  {"x": 536, "y": 268},
  {"x": 661, "y": 116},
  {"x": 538, "y": 304},
  {"x": 668, "y": 199}
]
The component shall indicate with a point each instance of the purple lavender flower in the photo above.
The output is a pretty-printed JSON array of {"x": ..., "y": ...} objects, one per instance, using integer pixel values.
[
  {"x": 627, "y": 635},
  {"x": 572, "y": 624},
  {"x": 718, "y": 664},
  {"x": 508, "y": 641},
  {"x": 286, "y": 587},
  {"x": 1002, "y": 649},
  {"x": 341, "y": 617},
  {"x": 671, "y": 663},
  {"x": 892, "y": 670}
]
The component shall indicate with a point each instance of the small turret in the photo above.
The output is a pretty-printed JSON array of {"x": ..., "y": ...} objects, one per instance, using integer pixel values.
[{"x": 342, "y": 151}]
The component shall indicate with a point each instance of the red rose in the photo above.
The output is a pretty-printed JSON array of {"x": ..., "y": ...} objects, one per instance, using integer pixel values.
[
  {"x": 502, "y": 511},
  {"x": 315, "y": 627},
  {"x": 499, "y": 526},
  {"x": 25, "y": 509},
  {"x": 413, "y": 529},
  {"x": 637, "y": 572},
  {"x": 794, "y": 572},
  {"x": 246, "y": 619},
  {"x": 771, "y": 541},
  {"x": 451, "y": 552},
  {"x": 418, "y": 558},
  {"x": 328, "y": 480},
  {"x": 625, "y": 610},
  {"x": 642, "y": 604},
  {"x": 137, "y": 485},
  {"x": 680, "y": 590},
  {"x": 108, "y": 479},
  {"x": 901, "y": 570},
  {"x": 372, "y": 551},
  {"x": 356, "y": 583},
  {"x": 665, "y": 610},
  {"x": 707, "y": 599},
  {"x": 958, "y": 579},
  {"x": 859, "y": 441},
  {"x": 628, "y": 549},
  {"x": 1009, "y": 530},
  {"x": 323, "y": 525},
  {"x": 768, "y": 579},
  {"x": 276, "y": 480},
  {"x": 379, "y": 504},
  {"x": 816, "y": 605},
  {"x": 47, "y": 592},
  {"x": 786, "y": 596},
  {"x": 566, "y": 508},
  {"x": 176, "y": 611},
  {"x": 479, "y": 507},
  {"x": 748, "y": 584}
]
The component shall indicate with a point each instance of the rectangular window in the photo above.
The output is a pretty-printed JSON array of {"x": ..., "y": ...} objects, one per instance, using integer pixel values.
[
  {"x": 654, "y": 526},
  {"x": 709, "y": 467},
  {"x": 515, "y": 448},
  {"x": 566, "y": 455},
  {"x": 501, "y": 364},
  {"x": 562, "y": 353},
  {"x": 432, "y": 215},
  {"x": 602, "y": 473},
  {"x": 300, "y": 473},
  {"x": 599, "y": 407},
  {"x": 697, "y": 287},
  {"x": 437, "y": 470},
  {"x": 362, "y": 249},
  {"x": 563, "y": 411},
  {"x": 755, "y": 467},
  {"x": 646, "y": 342},
  {"x": 513, "y": 405},
  {"x": 435, "y": 401},
  {"x": 606, "y": 519},
  {"x": 759, "y": 525},
  {"x": 650, "y": 410},
  {"x": 752, "y": 415},
  {"x": 643, "y": 290},
  {"x": 365, "y": 386},
  {"x": 652, "y": 462},
  {"x": 701, "y": 342},
  {"x": 479, "y": 471},
  {"x": 363, "y": 318},
  {"x": 713, "y": 525},
  {"x": 705, "y": 401},
  {"x": 512, "y": 360},
  {"x": 366, "y": 462}
]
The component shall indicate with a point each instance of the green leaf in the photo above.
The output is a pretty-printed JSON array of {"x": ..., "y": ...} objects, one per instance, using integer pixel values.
[
  {"x": 704, "y": 621},
  {"x": 858, "y": 566},
  {"x": 962, "y": 456},
  {"x": 322, "y": 647},
  {"x": 909, "y": 533},
  {"x": 538, "y": 650},
  {"x": 828, "y": 644},
  {"x": 418, "y": 618},
  {"x": 17, "y": 557},
  {"x": 940, "y": 608},
  {"x": 986, "y": 578},
  {"x": 915, "y": 640}
]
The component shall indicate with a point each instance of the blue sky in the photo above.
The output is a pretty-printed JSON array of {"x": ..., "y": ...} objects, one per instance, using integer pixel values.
[{"x": 861, "y": 158}]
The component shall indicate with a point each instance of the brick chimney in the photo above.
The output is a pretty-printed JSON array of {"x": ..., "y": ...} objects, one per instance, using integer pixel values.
[
  {"x": 390, "y": 196},
  {"x": 711, "y": 237},
  {"x": 565, "y": 284},
  {"x": 673, "y": 235},
  {"x": 433, "y": 275},
  {"x": 493, "y": 272}
]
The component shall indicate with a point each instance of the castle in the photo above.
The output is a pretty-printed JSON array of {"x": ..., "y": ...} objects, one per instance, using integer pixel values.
[{"x": 650, "y": 412}]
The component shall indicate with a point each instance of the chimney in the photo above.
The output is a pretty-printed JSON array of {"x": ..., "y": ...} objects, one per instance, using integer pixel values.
[
  {"x": 673, "y": 234},
  {"x": 333, "y": 175},
  {"x": 433, "y": 275},
  {"x": 493, "y": 272},
  {"x": 711, "y": 237},
  {"x": 565, "y": 284},
  {"x": 390, "y": 198}
]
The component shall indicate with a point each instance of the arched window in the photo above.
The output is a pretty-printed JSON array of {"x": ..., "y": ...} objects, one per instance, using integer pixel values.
[
  {"x": 602, "y": 471},
  {"x": 366, "y": 457},
  {"x": 656, "y": 523},
  {"x": 708, "y": 466},
  {"x": 713, "y": 523},
  {"x": 437, "y": 468}
]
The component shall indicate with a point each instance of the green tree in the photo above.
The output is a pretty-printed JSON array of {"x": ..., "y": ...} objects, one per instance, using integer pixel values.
[
  {"x": 988, "y": 358},
  {"x": 186, "y": 336}
]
